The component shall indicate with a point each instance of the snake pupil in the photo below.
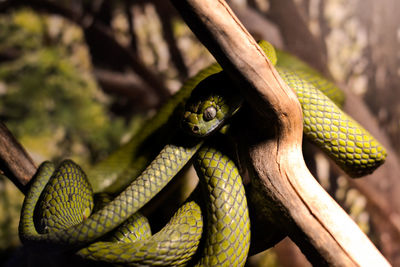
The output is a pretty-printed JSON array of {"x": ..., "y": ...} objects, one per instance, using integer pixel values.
[{"x": 209, "y": 113}]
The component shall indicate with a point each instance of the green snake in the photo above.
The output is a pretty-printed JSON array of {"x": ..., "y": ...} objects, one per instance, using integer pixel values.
[
  {"x": 67, "y": 171},
  {"x": 227, "y": 234},
  {"x": 352, "y": 147},
  {"x": 129, "y": 160},
  {"x": 164, "y": 167}
]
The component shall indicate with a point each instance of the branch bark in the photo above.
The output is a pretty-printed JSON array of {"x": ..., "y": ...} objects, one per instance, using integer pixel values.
[
  {"x": 312, "y": 219},
  {"x": 15, "y": 162}
]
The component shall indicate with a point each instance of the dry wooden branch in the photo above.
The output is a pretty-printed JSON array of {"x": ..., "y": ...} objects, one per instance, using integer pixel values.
[
  {"x": 323, "y": 231},
  {"x": 15, "y": 162}
]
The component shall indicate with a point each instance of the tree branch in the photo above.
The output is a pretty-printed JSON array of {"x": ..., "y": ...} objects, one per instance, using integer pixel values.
[
  {"x": 15, "y": 162},
  {"x": 131, "y": 27},
  {"x": 389, "y": 187},
  {"x": 128, "y": 86},
  {"x": 312, "y": 219}
]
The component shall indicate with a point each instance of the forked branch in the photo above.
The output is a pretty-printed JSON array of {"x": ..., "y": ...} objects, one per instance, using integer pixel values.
[{"x": 323, "y": 231}]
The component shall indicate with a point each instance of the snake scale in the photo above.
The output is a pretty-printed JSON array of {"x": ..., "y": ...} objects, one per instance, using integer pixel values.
[{"x": 66, "y": 217}]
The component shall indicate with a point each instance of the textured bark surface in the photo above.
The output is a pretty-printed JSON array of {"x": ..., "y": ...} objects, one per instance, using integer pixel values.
[{"x": 14, "y": 160}]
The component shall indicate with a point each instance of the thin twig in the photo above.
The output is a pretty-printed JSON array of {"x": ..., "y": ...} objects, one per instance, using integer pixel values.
[
  {"x": 164, "y": 11},
  {"x": 131, "y": 26}
]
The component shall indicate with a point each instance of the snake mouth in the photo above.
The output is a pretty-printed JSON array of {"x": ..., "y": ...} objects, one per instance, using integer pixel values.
[{"x": 198, "y": 130}]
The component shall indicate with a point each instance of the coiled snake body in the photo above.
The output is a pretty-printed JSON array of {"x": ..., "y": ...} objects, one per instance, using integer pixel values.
[{"x": 70, "y": 223}]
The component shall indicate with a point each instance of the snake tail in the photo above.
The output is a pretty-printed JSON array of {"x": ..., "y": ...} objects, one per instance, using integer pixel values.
[
  {"x": 228, "y": 224},
  {"x": 269, "y": 51}
]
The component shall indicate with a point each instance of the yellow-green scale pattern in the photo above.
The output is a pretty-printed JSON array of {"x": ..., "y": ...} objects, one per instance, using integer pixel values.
[
  {"x": 174, "y": 245},
  {"x": 353, "y": 148},
  {"x": 304, "y": 71},
  {"x": 163, "y": 168},
  {"x": 59, "y": 206},
  {"x": 42, "y": 177},
  {"x": 119, "y": 166},
  {"x": 228, "y": 224},
  {"x": 325, "y": 124},
  {"x": 137, "y": 227}
]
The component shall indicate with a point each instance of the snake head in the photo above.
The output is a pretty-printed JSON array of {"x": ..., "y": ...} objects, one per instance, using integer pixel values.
[{"x": 212, "y": 102}]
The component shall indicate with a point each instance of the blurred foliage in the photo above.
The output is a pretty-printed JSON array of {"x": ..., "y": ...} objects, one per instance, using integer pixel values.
[
  {"x": 21, "y": 30},
  {"x": 47, "y": 95},
  {"x": 49, "y": 101}
]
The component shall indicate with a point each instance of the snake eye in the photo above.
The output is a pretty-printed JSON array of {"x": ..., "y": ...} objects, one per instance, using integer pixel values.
[{"x": 209, "y": 113}]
